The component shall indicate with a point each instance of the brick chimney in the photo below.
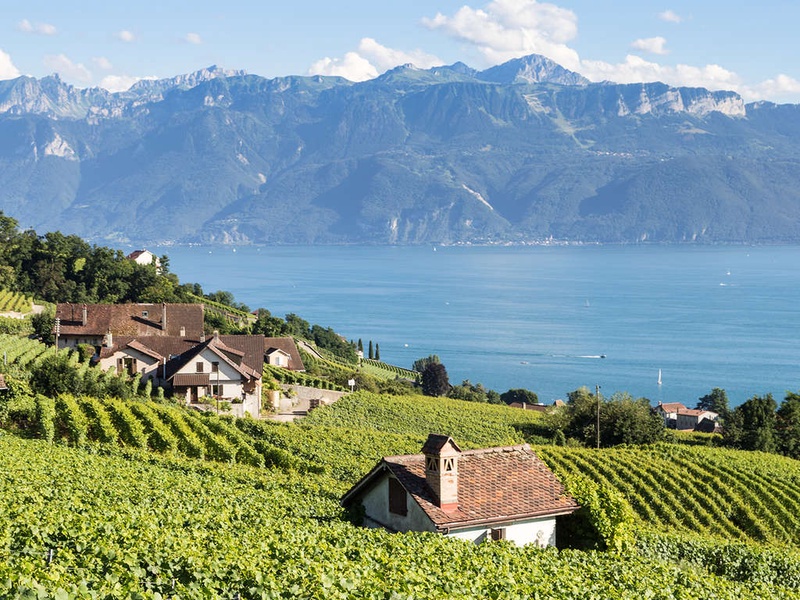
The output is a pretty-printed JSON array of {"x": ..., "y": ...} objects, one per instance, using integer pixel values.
[
  {"x": 163, "y": 316},
  {"x": 441, "y": 470},
  {"x": 85, "y": 315}
]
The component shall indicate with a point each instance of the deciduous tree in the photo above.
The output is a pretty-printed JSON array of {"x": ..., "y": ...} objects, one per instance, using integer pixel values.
[{"x": 435, "y": 381}]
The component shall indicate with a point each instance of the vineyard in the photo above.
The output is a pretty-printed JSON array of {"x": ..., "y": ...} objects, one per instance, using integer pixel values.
[
  {"x": 715, "y": 493},
  {"x": 15, "y": 302},
  {"x": 23, "y": 352},
  {"x": 473, "y": 425},
  {"x": 122, "y": 525},
  {"x": 121, "y": 499},
  {"x": 146, "y": 425},
  {"x": 297, "y": 378},
  {"x": 384, "y": 370}
]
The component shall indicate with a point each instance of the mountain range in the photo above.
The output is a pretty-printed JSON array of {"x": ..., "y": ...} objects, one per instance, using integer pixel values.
[{"x": 524, "y": 152}]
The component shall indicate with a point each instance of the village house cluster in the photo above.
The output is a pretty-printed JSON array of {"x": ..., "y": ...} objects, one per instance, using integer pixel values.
[{"x": 166, "y": 343}]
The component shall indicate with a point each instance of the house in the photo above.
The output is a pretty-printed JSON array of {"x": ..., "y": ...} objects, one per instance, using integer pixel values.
[
  {"x": 98, "y": 324},
  {"x": 689, "y": 419},
  {"x": 494, "y": 493},
  {"x": 282, "y": 352},
  {"x": 677, "y": 416},
  {"x": 226, "y": 367},
  {"x": 145, "y": 257},
  {"x": 527, "y": 406},
  {"x": 669, "y": 412}
]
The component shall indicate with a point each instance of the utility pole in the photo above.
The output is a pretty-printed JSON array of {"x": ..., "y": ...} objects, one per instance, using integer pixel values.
[{"x": 597, "y": 395}]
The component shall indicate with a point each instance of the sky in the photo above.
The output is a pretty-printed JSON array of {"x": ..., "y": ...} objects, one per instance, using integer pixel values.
[{"x": 751, "y": 48}]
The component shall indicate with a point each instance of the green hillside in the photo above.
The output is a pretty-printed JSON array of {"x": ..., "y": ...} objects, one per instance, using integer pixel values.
[{"x": 150, "y": 500}]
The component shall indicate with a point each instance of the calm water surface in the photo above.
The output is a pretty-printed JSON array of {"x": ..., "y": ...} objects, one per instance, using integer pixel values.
[{"x": 542, "y": 317}]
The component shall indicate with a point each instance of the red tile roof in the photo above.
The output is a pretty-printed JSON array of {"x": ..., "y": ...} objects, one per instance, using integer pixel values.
[
  {"x": 671, "y": 407},
  {"x": 131, "y": 319},
  {"x": 495, "y": 485},
  {"x": 289, "y": 347}
]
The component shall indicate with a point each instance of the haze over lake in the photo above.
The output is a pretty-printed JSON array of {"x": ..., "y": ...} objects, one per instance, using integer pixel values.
[{"x": 550, "y": 319}]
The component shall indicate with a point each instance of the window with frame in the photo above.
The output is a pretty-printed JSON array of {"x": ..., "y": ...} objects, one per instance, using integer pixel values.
[
  {"x": 397, "y": 498},
  {"x": 498, "y": 534},
  {"x": 216, "y": 389},
  {"x": 199, "y": 366},
  {"x": 215, "y": 367}
]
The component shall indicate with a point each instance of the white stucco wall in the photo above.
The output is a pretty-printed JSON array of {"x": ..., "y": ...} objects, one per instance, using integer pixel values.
[
  {"x": 143, "y": 361},
  {"x": 376, "y": 507},
  {"x": 541, "y": 532}
]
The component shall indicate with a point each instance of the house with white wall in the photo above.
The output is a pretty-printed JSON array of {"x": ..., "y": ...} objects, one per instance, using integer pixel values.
[
  {"x": 98, "y": 324},
  {"x": 504, "y": 493},
  {"x": 223, "y": 367}
]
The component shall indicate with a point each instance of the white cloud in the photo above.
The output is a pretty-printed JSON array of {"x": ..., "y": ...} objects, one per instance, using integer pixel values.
[
  {"x": 636, "y": 69},
  {"x": 507, "y": 29},
  {"x": 370, "y": 60},
  {"x": 101, "y": 62},
  {"x": 7, "y": 68},
  {"x": 781, "y": 88},
  {"x": 125, "y": 36},
  {"x": 62, "y": 65},
  {"x": 653, "y": 45},
  {"x": 670, "y": 16},
  {"x": 385, "y": 58},
  {"x": 352, "y": 66},
  {"x": 193, "y": 38},
  {"x": 40, "y": 28},
  {"x": 120, "y": 83}
]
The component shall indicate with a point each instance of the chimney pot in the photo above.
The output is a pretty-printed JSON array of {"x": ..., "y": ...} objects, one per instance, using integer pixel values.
[{"x": 441, "y": 470}]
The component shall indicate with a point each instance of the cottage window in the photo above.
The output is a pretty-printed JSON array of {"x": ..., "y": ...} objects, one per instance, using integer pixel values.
[
  {"x": 216, "y": 390},
  {"x": 498, "y": 534},
  {"x": 215, "y": 367},
  {"x": 199, "y": 366},
  {"x": 397, "y": 498}
]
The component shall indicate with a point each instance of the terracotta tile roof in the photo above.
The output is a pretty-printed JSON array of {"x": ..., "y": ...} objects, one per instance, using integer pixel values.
[
  {"x": 671, "y": 407},
  {"x": 251, "y": 347},
  {"x": 161, "y": 346},
  {"x": 232, "y": 356},
  {"x": 287, "y": 345},
  {"x": 131, "y": 319},
  {"x": 495, "y": 485},
  {"x": 692, "y": 412}
]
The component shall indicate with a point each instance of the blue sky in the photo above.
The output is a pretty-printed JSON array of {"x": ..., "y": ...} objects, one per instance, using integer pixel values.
[{"x": 750, "y": 48}]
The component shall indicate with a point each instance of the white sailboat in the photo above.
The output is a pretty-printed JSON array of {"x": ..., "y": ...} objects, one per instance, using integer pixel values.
[{"x": 659, "y": 377}]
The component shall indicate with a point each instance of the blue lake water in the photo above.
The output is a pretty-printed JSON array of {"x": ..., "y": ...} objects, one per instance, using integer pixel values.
[{"x": 542, "y": 317}]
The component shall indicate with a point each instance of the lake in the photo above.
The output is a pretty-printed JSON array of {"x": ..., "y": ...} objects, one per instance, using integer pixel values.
[{"x": 546, "y": 318}]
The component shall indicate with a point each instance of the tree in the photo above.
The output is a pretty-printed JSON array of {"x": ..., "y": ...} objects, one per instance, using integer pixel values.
[
  {"x": 716, "y": 401},
  {"x": 371, "y": 356},
  {"x": 434, "y": 380},
  {"x": 623, "y": 419},
  {"x": 377, "y": 351},
  {"x": 788, "y": 425},
  {"x": 360, "y": 346},
  {"x": 421, "y": 363},
  {"x": 751, "y": 425},
  {"x": 468, "y": 391},
  {"x": 519, "y": 395}
]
